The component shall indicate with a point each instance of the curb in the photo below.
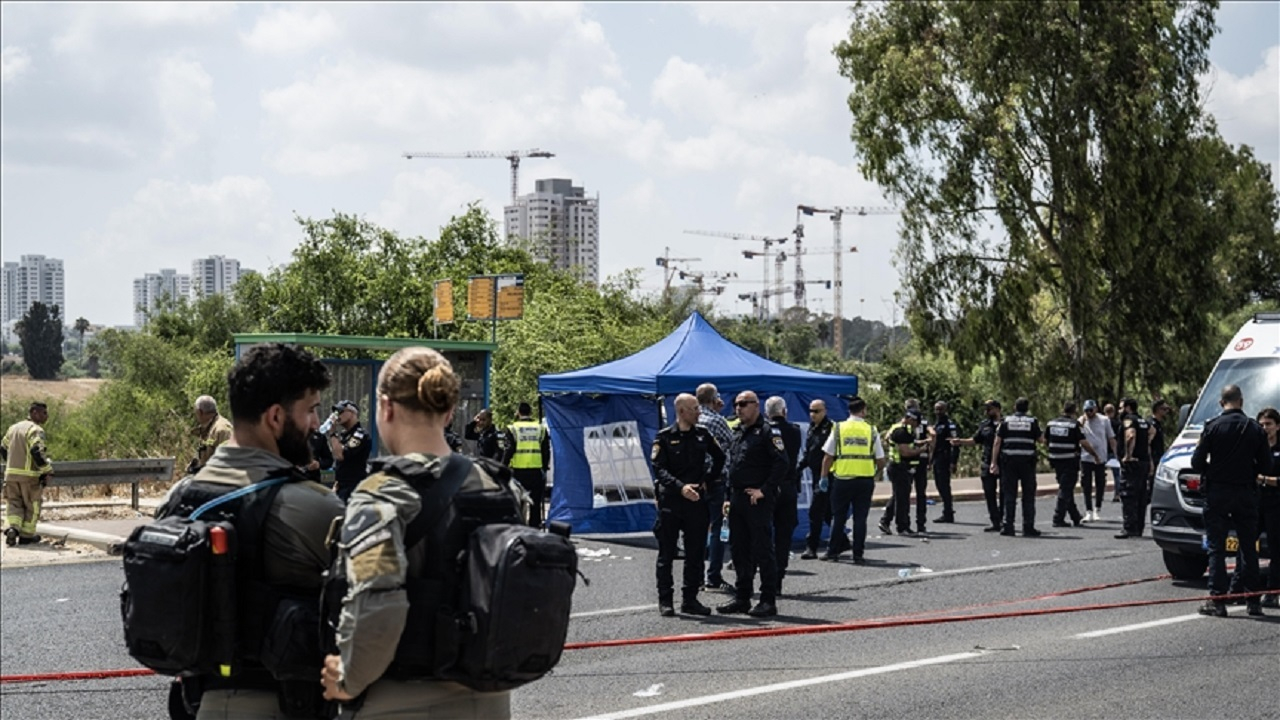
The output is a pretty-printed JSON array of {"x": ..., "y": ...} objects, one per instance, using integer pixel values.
[{"x": 111, "y": 544}]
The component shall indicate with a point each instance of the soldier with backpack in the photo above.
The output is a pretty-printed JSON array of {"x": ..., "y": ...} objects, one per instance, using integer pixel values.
[
  {"x": 258, "y": 510},
  {"x": 422, "y": 627}
]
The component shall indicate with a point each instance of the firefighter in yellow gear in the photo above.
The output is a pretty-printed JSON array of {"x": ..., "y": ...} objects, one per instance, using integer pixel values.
[{"x": 27, "y": 470}]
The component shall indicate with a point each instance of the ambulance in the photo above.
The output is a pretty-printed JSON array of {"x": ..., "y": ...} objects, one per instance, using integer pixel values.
[{"x": 1252, "y": 362}]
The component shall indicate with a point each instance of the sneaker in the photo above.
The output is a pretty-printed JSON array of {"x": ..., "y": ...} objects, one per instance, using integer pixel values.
[
  {"x": 11, "y": 536},
  {"x": 734, "y": 607},
  {"x": 993, "y": 528},
  {"x": 29, "y": 540},
  {"x": 1254, "y": 608},
  {"x": 666, "y": 610},
  {"x": 884, "y": 528},
  {"x": 1097, "y": 515},
  {"x": 714, "y": 583},
  {"x": 1213, "y": 609},
  {"x": 1060, "y": 523},
  {"x": 1031, "y": 532},
  {"x": 907, "y": 532},
  {"x": 693, "y": 607},
  {"x": 808, "y": 554},
  {"x": 763, "y": 609},
  {"x": 1271, "y": 601}
]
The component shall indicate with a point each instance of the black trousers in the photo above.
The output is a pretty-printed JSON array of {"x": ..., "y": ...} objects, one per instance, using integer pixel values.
[
  {"x": 850, "y": 496},
  {"x": 534, "y": 483},
  {"x": 902, "y": 477},
  {"x": 1093, "y": 476},
  {"x": 1133, "y": 496},
  {"x": 819, "y": 515},
  {"x": 942, "y": 481},
  {"x": 1067, "y": 473},
  {"x": 679, "y": 517},
  {"x": 991, "y": 491},
  {"x": 786, "y": 517},
  {"x": 1269, "y": 520},
  {"x": 751, "y": 545},
  {"x": 1227, "y": 507},
  {"x": 1015, "y": 474}
]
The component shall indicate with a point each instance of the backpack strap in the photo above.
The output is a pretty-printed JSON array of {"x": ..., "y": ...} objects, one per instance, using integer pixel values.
[
  {"x": 241, "y": 492},
  {"x": 436, "y": 496}
]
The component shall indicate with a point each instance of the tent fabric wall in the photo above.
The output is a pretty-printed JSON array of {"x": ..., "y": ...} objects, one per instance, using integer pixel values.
[{"x": 631, "y": 388}]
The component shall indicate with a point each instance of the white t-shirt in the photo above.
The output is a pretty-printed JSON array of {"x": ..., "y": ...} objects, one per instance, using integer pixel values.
[
  {"x": 830, "y": 447},
  {"x": 1099, "y": 433}
]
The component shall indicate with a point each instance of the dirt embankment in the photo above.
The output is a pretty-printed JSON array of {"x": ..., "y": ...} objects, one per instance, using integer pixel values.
[{"x": 73, "y": 391}]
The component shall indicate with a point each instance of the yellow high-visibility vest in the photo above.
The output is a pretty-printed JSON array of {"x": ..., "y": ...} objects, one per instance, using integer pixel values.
[
  {"x": 528, "y": 437},
  {"x": 855, "y": 449}
]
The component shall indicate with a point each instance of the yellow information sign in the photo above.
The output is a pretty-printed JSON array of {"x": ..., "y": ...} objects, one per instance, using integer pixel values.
[
  {"x": 480, "y": 297},
  {"x": 444, "y": 302},
  {"x": 510, "y": 297}
]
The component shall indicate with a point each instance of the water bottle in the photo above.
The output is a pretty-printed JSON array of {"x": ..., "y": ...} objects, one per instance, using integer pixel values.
[
  {"x": 904, "y": 573},
  {"x": 724, "y": 531},
  {"x": 328, "y": 423}
]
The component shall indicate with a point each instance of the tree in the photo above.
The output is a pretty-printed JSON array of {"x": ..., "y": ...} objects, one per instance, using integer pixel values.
[
  {"x": 1076, "y": 128},
  {"x": 40, "y": 332},
  {"x": 81, "y": 326}
]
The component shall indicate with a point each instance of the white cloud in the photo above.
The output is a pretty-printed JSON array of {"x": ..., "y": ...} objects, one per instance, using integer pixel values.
[
  {"x": 184, "y": 93},
  {"x": 290, "y": 30},
  {"x": 14, "y": 61},
  {"x": 85, "y": 24},
  {"x": 1248, "y": 108},
  {"x": 420, "y": 200}
]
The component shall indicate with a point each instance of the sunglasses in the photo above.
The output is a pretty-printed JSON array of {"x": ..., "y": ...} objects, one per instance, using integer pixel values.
[
  {"x": 744, "y": 403},
  {"x": 812, "y": 410}
]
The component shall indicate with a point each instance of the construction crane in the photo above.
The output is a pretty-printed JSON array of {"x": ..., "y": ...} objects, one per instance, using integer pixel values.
[
  {"x": 767, "y": 242},
  {"x": 665, "y": 262},
  {"x": 512, "y": 157},
  {"x": 837, "y": 214},
  {"x": 699, "y": 280}
]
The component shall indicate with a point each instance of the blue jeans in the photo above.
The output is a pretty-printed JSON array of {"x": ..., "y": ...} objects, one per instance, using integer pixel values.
[{"x": 715, "y": 548}]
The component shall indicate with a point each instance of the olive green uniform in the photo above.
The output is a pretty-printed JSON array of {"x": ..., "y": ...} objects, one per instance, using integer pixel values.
[
  {"x": 217, "y": 432},
  {"x": 377, "y": 564}
]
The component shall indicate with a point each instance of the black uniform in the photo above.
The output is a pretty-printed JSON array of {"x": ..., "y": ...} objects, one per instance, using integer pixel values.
[
  {"x": 785, "y": 514},
  {"x": 909, "y": 472},
  {"x": 680, "y": 458},
  {"x": 1063, "y": 435},
  {"x": 321, "y": 453},
  {"x": 820, "y": 505},
  {"x": 1269, "y": 519},
  {"x": 985, "y": 438},
  {"x": 1018, "y": 435},
  {"x": 488, "y": 441},
  {"x": 1230, "y": 455},
  {"x": 1157, "y": 452},
  {"x": 757, "y": 459},
  {"x": 944, "y": 458},
  {"x": 1134, "y": 470},
  {"x": 354, "y": 465}
]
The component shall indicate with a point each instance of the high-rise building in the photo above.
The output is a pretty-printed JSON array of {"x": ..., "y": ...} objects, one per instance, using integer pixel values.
[
  {"x": 563, "y": 225},
  {"x": 215, "y": 275},
  {"x": 35, "y": 279},
  {"x": 153, "y": 288}
]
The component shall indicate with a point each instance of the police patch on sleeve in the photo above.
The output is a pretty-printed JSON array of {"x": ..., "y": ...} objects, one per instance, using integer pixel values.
[
  {"x": 653, "y": 454},
  {"x": 777, "y": 442},
  {"x": 1128, "y": 423}
]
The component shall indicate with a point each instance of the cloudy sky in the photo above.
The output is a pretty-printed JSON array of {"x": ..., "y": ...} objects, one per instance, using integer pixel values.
[{"x": 139, "y": 137}]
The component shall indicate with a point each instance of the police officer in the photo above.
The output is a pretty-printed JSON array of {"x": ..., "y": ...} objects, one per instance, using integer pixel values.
[
  {"x": 985, "y": 438},
  {"x": 1135, "y": 468},
  {"x": 785, "y": 512},
  {"x": 919, "y": 464},
  {"x": 211, "y": 428},
  {"x": 274, "y": 391},
  {"x": 944, "y": 459},
  {"x": 907, "y": 450},
  {"x": 757, "y": 467},
  {"x": 529, "y": 456},
  {"x": 351, "y": 447},
  {"x": 1065, "y": 437},
  {"x": 1269, "y": 503},
  {"x": 482, "y": 431},
  {"x": 1230, "y": 455},
  {"x": 852, "y": 457},
  {"x": 684, "y": 482},
  {"x": 1015, "y": 453},
  {"x": 412, "y": 416},
  {"x": 1160, "y": 410},
  {"x": 321, "y": 457},
  {"x": 27, "y": 470},
  {"x": 820, "y": 504}
]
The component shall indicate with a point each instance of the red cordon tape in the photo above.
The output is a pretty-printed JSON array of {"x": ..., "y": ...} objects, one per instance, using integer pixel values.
[{"x": 921, "y": 618}]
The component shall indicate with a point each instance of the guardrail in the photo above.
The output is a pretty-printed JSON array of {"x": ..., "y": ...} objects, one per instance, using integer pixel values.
[{"x": 80, "y": 473}]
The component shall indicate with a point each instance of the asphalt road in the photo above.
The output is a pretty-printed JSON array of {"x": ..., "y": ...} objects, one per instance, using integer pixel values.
[{"x": 1151, "y": 659}]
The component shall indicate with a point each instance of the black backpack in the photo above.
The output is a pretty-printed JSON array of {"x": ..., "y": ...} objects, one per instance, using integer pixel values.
[{"x": 491, "y": 609}]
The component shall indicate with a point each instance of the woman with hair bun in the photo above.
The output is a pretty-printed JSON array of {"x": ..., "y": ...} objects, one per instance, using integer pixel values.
[{"x": 417, "y": 394}]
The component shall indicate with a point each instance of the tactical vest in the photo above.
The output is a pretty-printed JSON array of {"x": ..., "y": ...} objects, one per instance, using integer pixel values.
[
  {"x": 528, "y": 436},
  {"x": 895, "y": 457},
  {"x": 1141, "y": 450},
  {"x": 855, "y": 449},
  {"x": 1020, "y": 442},
  {"x": 1063, "y": 437}
]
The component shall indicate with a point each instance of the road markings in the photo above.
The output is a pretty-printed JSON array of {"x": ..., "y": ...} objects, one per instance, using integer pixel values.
[
  {"x": 1146, "y": 625},
  {"x": 614, "y": 611},
  {"x": 783, "y": 686}
]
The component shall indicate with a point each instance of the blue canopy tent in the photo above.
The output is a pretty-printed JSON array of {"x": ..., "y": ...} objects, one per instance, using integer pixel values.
[{"x": 603, "y": 419}]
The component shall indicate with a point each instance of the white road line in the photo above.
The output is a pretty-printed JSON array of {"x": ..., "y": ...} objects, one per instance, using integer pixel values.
[
  {"x": 1145, "y": 625},
  {"x": 985, "y": 568},
  {"x": 614, "y": 611},
  {"x": 780, "y": 687}
]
